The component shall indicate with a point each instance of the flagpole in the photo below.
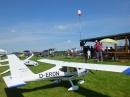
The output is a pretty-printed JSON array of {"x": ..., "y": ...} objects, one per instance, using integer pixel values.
[
  {"x": 79, "y": 14},
  {"x": 80, "y": 27}
]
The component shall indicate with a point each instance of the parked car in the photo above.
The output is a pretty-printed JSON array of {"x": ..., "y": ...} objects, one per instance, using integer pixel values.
[
  {"x": 47, "y": 52},
  {"x": 44, "y": 53}
]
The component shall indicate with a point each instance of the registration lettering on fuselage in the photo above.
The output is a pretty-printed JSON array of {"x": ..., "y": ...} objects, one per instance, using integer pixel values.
[{"x": 49, "y": 74}]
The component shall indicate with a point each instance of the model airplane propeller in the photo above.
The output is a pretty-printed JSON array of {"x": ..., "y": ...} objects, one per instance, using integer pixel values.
[{"x": 20, "y": 73}]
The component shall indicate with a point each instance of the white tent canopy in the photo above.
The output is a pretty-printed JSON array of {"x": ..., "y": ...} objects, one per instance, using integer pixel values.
[{"x": 3, "y": 51}]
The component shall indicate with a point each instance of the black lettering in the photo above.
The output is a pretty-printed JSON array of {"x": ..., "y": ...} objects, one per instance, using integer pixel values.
[
  {"x": 40, "y": 75},
  {"x": 50, "y": 74},
  {"x": 57, "y": 73},
  {"x": 47, "y": 75},
  {"x": 53, "y": 73}
]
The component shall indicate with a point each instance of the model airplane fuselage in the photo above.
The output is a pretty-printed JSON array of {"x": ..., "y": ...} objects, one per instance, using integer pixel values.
[{"x": 57, "y": 72}]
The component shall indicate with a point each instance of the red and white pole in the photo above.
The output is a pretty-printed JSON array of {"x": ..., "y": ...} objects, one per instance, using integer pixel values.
[{"x": 79, "y": 14}]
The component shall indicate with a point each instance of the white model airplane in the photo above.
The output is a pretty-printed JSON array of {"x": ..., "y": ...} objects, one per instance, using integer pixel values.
[
  {"x": 26, "y": 62},
  {"x": 20, "y": 73}
]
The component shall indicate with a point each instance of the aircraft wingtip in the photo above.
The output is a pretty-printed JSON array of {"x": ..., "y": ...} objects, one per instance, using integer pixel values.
[{"x": 127, "y": 71}]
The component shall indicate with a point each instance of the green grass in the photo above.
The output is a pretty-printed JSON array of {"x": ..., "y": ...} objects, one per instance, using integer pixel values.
[{"x": 99, "y": 84}]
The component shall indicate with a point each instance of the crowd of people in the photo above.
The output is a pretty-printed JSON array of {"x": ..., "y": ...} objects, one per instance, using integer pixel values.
[
  {"x": 97, "y": 52},
  {"x": 47, "y": 53},
  {"x": 71, "y": 52},
  {"x": 88, "y": 52}
]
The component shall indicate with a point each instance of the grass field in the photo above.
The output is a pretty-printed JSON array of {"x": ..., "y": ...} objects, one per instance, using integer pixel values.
[{"x": 99, "y": 84}]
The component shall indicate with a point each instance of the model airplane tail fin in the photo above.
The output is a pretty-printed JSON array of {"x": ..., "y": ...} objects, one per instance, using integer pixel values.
[
  {"x": 18, "y": 71},
  {"x": 17, "y": 67}
]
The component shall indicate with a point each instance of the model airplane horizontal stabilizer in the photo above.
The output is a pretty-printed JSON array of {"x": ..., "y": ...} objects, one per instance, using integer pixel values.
[
  {"x": 102, "y": 67},
  {"x": 16, "y": 82}
]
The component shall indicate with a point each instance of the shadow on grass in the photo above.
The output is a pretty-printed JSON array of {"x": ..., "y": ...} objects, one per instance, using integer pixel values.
[
  {"x": 17, "y": 92},
  {"x": 13, "y": 92},
  {"x": 83, "y": 91}
]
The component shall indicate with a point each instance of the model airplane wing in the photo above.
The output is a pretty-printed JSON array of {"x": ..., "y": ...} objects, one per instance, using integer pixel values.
[
  {"x": 18, "y": 70},
  {"x": 4, "y": 65},
  {"x": 103, "y": 67},
  {"x": 5, "y": 71},
  {"x": 5, "y": 60},
  {"x": 55, "y": 62}
]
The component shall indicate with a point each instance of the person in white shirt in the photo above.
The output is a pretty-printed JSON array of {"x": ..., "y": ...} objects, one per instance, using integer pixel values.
[
  {"x": 76, "y": 50},
  {"x": 71, "y": 52},
  {"x": 89, "y": 54}
]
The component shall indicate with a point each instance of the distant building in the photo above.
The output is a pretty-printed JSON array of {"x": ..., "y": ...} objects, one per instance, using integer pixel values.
[{"x": 3, "y": 52}]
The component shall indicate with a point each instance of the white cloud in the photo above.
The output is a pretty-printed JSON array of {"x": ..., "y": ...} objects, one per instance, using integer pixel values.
[
  {"x": 13, "y": 30},
  {"x": 61, "y": 27},
  {"x": 68, "y": 41}
]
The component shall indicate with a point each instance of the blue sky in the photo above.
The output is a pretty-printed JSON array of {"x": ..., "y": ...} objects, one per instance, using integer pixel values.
[{"x": 41, "y": 24}]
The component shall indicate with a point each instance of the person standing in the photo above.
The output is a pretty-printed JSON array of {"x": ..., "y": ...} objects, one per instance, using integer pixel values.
[
  {"x": 71, "y": 52},
  {"x": 85, "y": 53},
  {"x": 68, "y": 54},
  {"x": 92, "y": 51},
  {"x": 75, "y": 50},
  {"x": 98, "y": 50},
  {"x": 89, "y": 54}
]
